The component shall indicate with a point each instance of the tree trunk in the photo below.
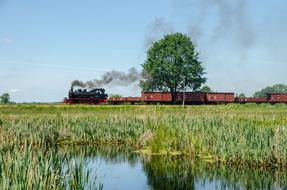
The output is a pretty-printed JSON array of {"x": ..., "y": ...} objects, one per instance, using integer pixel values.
[{"x": 173, "y": 96}]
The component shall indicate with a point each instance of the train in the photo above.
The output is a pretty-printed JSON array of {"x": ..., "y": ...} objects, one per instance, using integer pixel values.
[{"x": 98, "y": 96}]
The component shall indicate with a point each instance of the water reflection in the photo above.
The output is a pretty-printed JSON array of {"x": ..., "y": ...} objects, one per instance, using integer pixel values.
[
  {"x": 122, "y": 168},
  {"x": 188, "y": 173}
]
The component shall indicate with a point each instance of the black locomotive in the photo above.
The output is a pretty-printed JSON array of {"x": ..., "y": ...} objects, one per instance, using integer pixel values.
[
  {"x": 85, "y": 93},
  {"x": 87, "y": 96}
]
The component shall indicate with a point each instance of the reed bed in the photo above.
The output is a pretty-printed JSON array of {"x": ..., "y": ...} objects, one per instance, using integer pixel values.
[
  {"x": 253, "y": 135},
  {"x": 26, "y": 168}
]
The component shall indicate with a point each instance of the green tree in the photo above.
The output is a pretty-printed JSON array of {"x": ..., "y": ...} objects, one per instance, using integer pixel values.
[
  {"x": 205, "y": 89},
  {"x": 278, "y": 88},
  {"x": 242, "y": 95},
  {"x": 5, "y": 98},
  {"x": 173, "y": 64}
]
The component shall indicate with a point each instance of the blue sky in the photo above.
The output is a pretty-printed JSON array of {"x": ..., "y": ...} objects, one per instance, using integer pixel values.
[{"x": 45, "y": 44}]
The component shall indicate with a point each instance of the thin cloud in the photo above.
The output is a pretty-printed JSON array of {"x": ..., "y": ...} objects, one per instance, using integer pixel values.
[
  {"x": 14, "y": 90},
  {"x": 6, "y": 76},
  {"x": 7, "y": 40}
]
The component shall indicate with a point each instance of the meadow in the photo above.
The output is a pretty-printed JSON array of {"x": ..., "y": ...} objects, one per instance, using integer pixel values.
[{"x": 242, "y": 135}]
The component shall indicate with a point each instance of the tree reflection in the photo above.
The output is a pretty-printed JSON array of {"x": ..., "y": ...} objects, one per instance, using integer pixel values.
[
  {"x": 183, "y": 172},
  {"x": 178, "y": 172},
  {"x": 169, "y": 173}
]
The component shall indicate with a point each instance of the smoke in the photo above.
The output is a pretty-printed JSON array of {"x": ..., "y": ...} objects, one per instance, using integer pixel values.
[
  {"x": 234, "y": 18},
  {"x": 216, "y": 21},
  {"x": 209, "y": 23},
  {"x": 156, "y": 30},
  {"x": 111, "y": 78},
  {"x": 78, "y": 83}
]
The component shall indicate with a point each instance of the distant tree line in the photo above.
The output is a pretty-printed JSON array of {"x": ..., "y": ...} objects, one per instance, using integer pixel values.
[
  {"x": 205, "y": 89},
  {"x": 277, "y": 88},
  {"x": 242, "y": 95}
]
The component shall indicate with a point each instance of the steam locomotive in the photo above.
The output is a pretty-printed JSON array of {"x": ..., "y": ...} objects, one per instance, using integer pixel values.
[{"x": 86, "y": 96}]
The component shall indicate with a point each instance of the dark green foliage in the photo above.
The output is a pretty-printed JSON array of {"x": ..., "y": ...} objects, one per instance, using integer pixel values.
[
  {"x": 5, "y": 98},
  {"x": 172, "y": 64},
  {"x": 242, "y": 95},
  {"x": 281, "y": 88},
  {"x": 206, "y": 89}
]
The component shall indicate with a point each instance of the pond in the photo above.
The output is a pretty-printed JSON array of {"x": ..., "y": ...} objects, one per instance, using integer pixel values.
[{"x": 119, "y": 168}]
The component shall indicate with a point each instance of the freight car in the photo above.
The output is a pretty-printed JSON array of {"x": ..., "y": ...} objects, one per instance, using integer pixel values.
[
  {"x": 250, "y": 100},
  {"x": 156, "y": 97},
  {"x": 85, "y": 96},
  {"x": 219, "y": 97},
  {"x": 191, "y": 97},
  {"x": 277, "y": 98}
]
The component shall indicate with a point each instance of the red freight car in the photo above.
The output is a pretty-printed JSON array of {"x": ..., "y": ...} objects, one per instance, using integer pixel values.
[
  {"x": 219, "y": 97},
  {"x": 132, "y": 100},
  {"x": 250, "y": 100},
  {"x": 277, "y": 97},
  {"x": 191, "y": 97},
  {"x": 117, "y": 99},
  {"x": 156, "y": 96}
]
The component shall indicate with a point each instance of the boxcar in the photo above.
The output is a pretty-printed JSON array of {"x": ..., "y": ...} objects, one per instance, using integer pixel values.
[
  {"x": 156, "y": 97},
  {"x": 277, "y": 97},
  {"x": 191, "y": 97},
  {"x": 219, "y": 97},
  {"x": 117, "y": 100},
  {"x": 250, "y": 100}
]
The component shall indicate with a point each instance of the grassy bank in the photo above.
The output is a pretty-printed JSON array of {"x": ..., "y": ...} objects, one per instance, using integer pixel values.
[{"x": 254, "y": 135}]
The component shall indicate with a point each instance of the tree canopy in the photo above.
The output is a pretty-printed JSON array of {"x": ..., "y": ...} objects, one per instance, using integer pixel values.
[
  {"x": 5, "y": 98},
  {"x": 205, "y": 89},
  {"x": 278, "y": 88},
  {"x": 242, "y": 95},
  {"x": 173, "y": 64}
]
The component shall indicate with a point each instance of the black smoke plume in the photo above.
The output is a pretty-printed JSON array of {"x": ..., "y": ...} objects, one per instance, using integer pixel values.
[
  {"x": 111, "y": 78},
  {"x": 227, "y": 19},
  {"x": 156, "y": 30}
]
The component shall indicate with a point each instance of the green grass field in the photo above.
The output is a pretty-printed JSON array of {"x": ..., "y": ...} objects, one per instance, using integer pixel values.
[{"x": 248, "y": 135}]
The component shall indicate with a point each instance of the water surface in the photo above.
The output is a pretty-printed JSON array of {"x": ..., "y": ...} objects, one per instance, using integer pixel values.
[{"x": 120, "y": 168}]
